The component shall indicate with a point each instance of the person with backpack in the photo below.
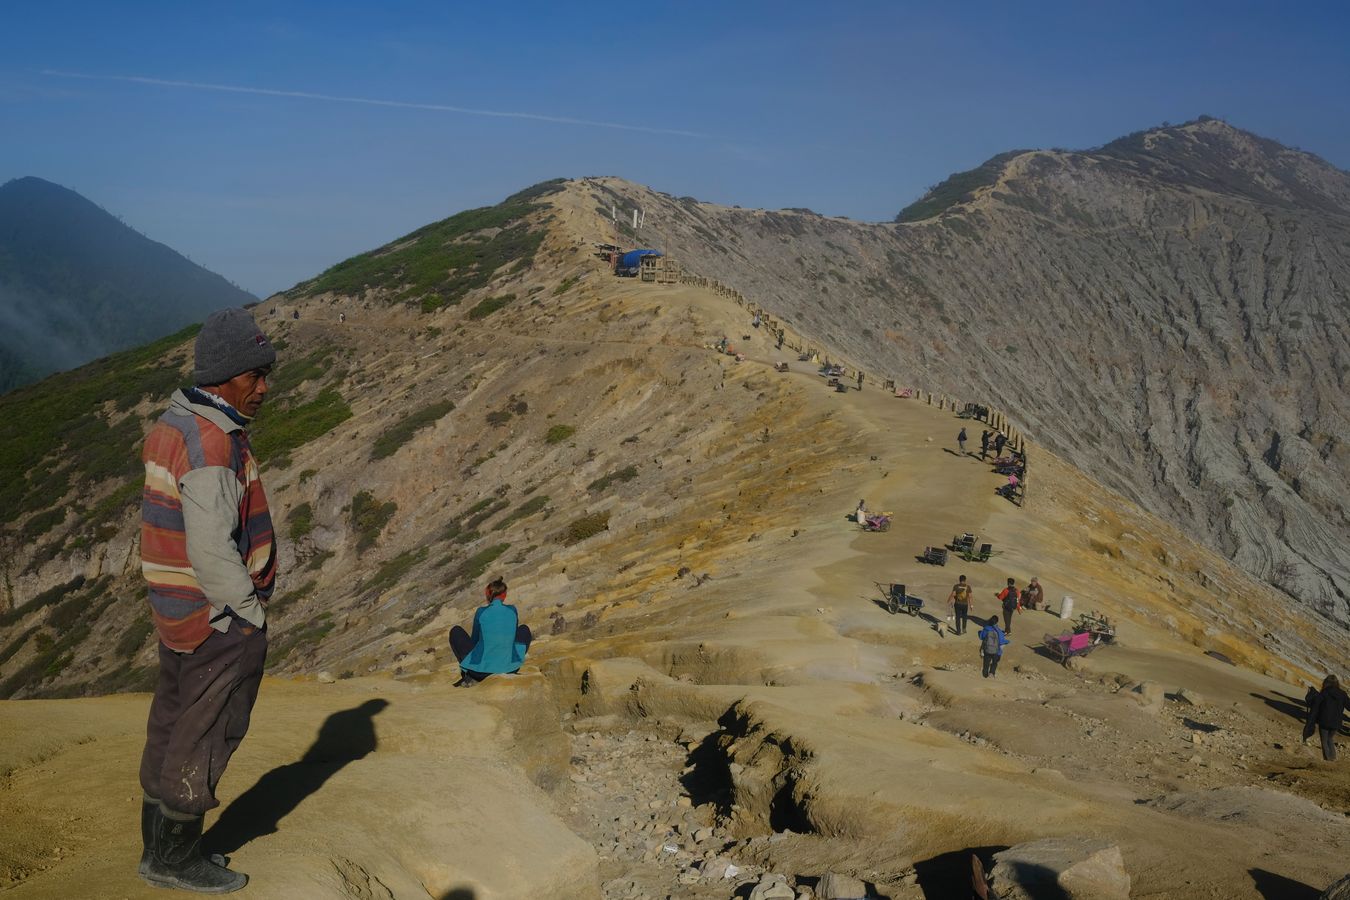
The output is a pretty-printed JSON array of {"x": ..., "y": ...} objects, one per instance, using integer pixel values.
[
  {"x": 1011, "y": 601},
  {"x": 1325, "y": 713},
  {"x": 992, "y": 642},
  {"x": 961, "y": 440},
  {"x": 984, "y": 443},
  {"x": 959, "y": 603},
  {"x": 999, "y": 442}
]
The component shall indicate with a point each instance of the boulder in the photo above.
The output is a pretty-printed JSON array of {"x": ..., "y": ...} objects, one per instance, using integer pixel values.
[
  {"x": 1149, "y": 695},
  {"x": 1073, "y": 868},
  {"x": 1339, "y": 890},
  {"x": 1187, "y": 697},
  {"x": 717, "y": 868},
  {"x": 840, "y": 887},
  {"x": 773, "y": 887}
]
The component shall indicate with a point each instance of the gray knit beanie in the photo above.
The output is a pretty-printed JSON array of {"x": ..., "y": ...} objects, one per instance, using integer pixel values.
[{"x": 229, "y": 344}]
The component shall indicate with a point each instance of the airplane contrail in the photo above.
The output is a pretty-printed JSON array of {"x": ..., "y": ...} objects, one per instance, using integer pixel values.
[{"x": 368, "y": 101}]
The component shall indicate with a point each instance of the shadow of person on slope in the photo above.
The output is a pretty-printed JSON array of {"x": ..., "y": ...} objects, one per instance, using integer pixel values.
[
  {"x": 1277, "y": 887},
  {"x": 1290, "y": 706},
  {"x": 459, "y": 893},
  {"x": 345, "y": 737},
  {"x": 1295, "y": 708}
]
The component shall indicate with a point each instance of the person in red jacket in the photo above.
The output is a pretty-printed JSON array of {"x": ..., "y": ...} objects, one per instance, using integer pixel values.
[{"x": 1010, "y": 599}]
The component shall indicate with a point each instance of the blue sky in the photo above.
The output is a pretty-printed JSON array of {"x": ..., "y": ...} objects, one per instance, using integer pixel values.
[{"x": 849, "y": 108}]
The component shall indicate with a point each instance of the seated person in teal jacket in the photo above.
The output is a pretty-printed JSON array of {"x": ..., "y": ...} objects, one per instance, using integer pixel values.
[{"x": 498, "y": 643}]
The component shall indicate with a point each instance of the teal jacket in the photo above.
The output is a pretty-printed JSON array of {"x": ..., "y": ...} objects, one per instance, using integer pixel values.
[{"x": 495, "y": 649}]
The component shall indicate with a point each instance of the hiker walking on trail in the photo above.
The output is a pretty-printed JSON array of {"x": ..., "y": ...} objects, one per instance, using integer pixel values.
[
  {"x": 992, "y": 642},
  {"x": 209, "y": 556},
  {"x": 959, "y": 603},
  {"x": 1009, "y": 598},
  {"x": 984, "y": 443},
  {"x": 1325, "y": 714},
  {"x": 961, "y": 440},
  {"x": 499, "y": 642},
  {"x": 999, "y": 441},
  {"x": 860, "y": 379}
]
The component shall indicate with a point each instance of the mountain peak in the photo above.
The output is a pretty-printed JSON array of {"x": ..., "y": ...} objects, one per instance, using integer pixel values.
[
  {"x": 1204, "y": 153},
  {"x": 1214, "y": 155}
]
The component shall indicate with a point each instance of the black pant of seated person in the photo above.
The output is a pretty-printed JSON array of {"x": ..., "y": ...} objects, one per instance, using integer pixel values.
[{"x": 461, "y": 644}]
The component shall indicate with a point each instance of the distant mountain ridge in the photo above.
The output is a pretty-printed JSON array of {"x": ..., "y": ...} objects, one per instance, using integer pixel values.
[{"x": 77, "y": 284}]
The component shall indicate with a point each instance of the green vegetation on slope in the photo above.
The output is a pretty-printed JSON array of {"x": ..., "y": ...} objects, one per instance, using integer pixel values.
[
  {"x": 82, "y": 603},
  {"x": 958, "y": 188},
  {"x": 485, "y": 308},
  {"x": 439, "y": 263},
  {"x": 619, "y": 476},
  {"x": 558, "y": 433},
  {"x": 368, "y": 518},
  {"x": 56, "y": 435},
  {"x": 276, "y": 435},
  {"x": 398, "y": 434}
]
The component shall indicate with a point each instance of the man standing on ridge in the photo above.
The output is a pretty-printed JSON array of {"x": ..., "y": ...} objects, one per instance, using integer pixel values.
[
  {"x": 1010, "y": 599},
  {"x": 984, "y": 443},
  {"x": 961, "y": 440},
  {"x": 209, "y": 556},
  {"x": 959, "y": 602}
]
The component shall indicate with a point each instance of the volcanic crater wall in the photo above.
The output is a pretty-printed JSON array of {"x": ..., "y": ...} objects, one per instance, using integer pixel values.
[{"x": 1171, "y": 313}]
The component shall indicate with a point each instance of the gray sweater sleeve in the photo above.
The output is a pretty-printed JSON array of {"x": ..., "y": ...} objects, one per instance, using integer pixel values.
[{"x": 211, "y": 496}]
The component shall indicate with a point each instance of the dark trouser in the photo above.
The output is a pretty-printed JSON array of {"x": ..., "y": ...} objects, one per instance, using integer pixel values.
[
  {"x": 462, "y": 645},
  {"x": 199, "y": 716},
  {"x": 1328, "y": 736},
  {"x": 962, "y": 613},
  {"x": 991, "y": 664},
  {"x": 1007, "y": 621}
]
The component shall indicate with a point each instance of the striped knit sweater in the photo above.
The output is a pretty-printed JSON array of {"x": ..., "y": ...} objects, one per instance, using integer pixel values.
[{"x": 206, "y": 533}]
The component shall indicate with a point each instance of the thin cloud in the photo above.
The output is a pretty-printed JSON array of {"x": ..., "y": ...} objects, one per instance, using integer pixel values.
[{"x": 368, "y": 101}]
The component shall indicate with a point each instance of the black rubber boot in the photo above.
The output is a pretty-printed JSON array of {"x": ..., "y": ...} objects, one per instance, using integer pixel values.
[
  {"x": 176, "y": 859},
  {"x": 149, "y": 811}
]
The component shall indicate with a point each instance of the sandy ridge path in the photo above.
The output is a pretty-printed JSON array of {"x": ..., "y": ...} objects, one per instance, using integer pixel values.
[{"x": 1039, "y": 751}]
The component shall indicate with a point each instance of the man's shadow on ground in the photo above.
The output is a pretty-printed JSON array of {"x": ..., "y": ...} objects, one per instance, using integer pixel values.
[
  {"x": 1294, "y": 707},
  {"x": 345, "y": 736}
]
